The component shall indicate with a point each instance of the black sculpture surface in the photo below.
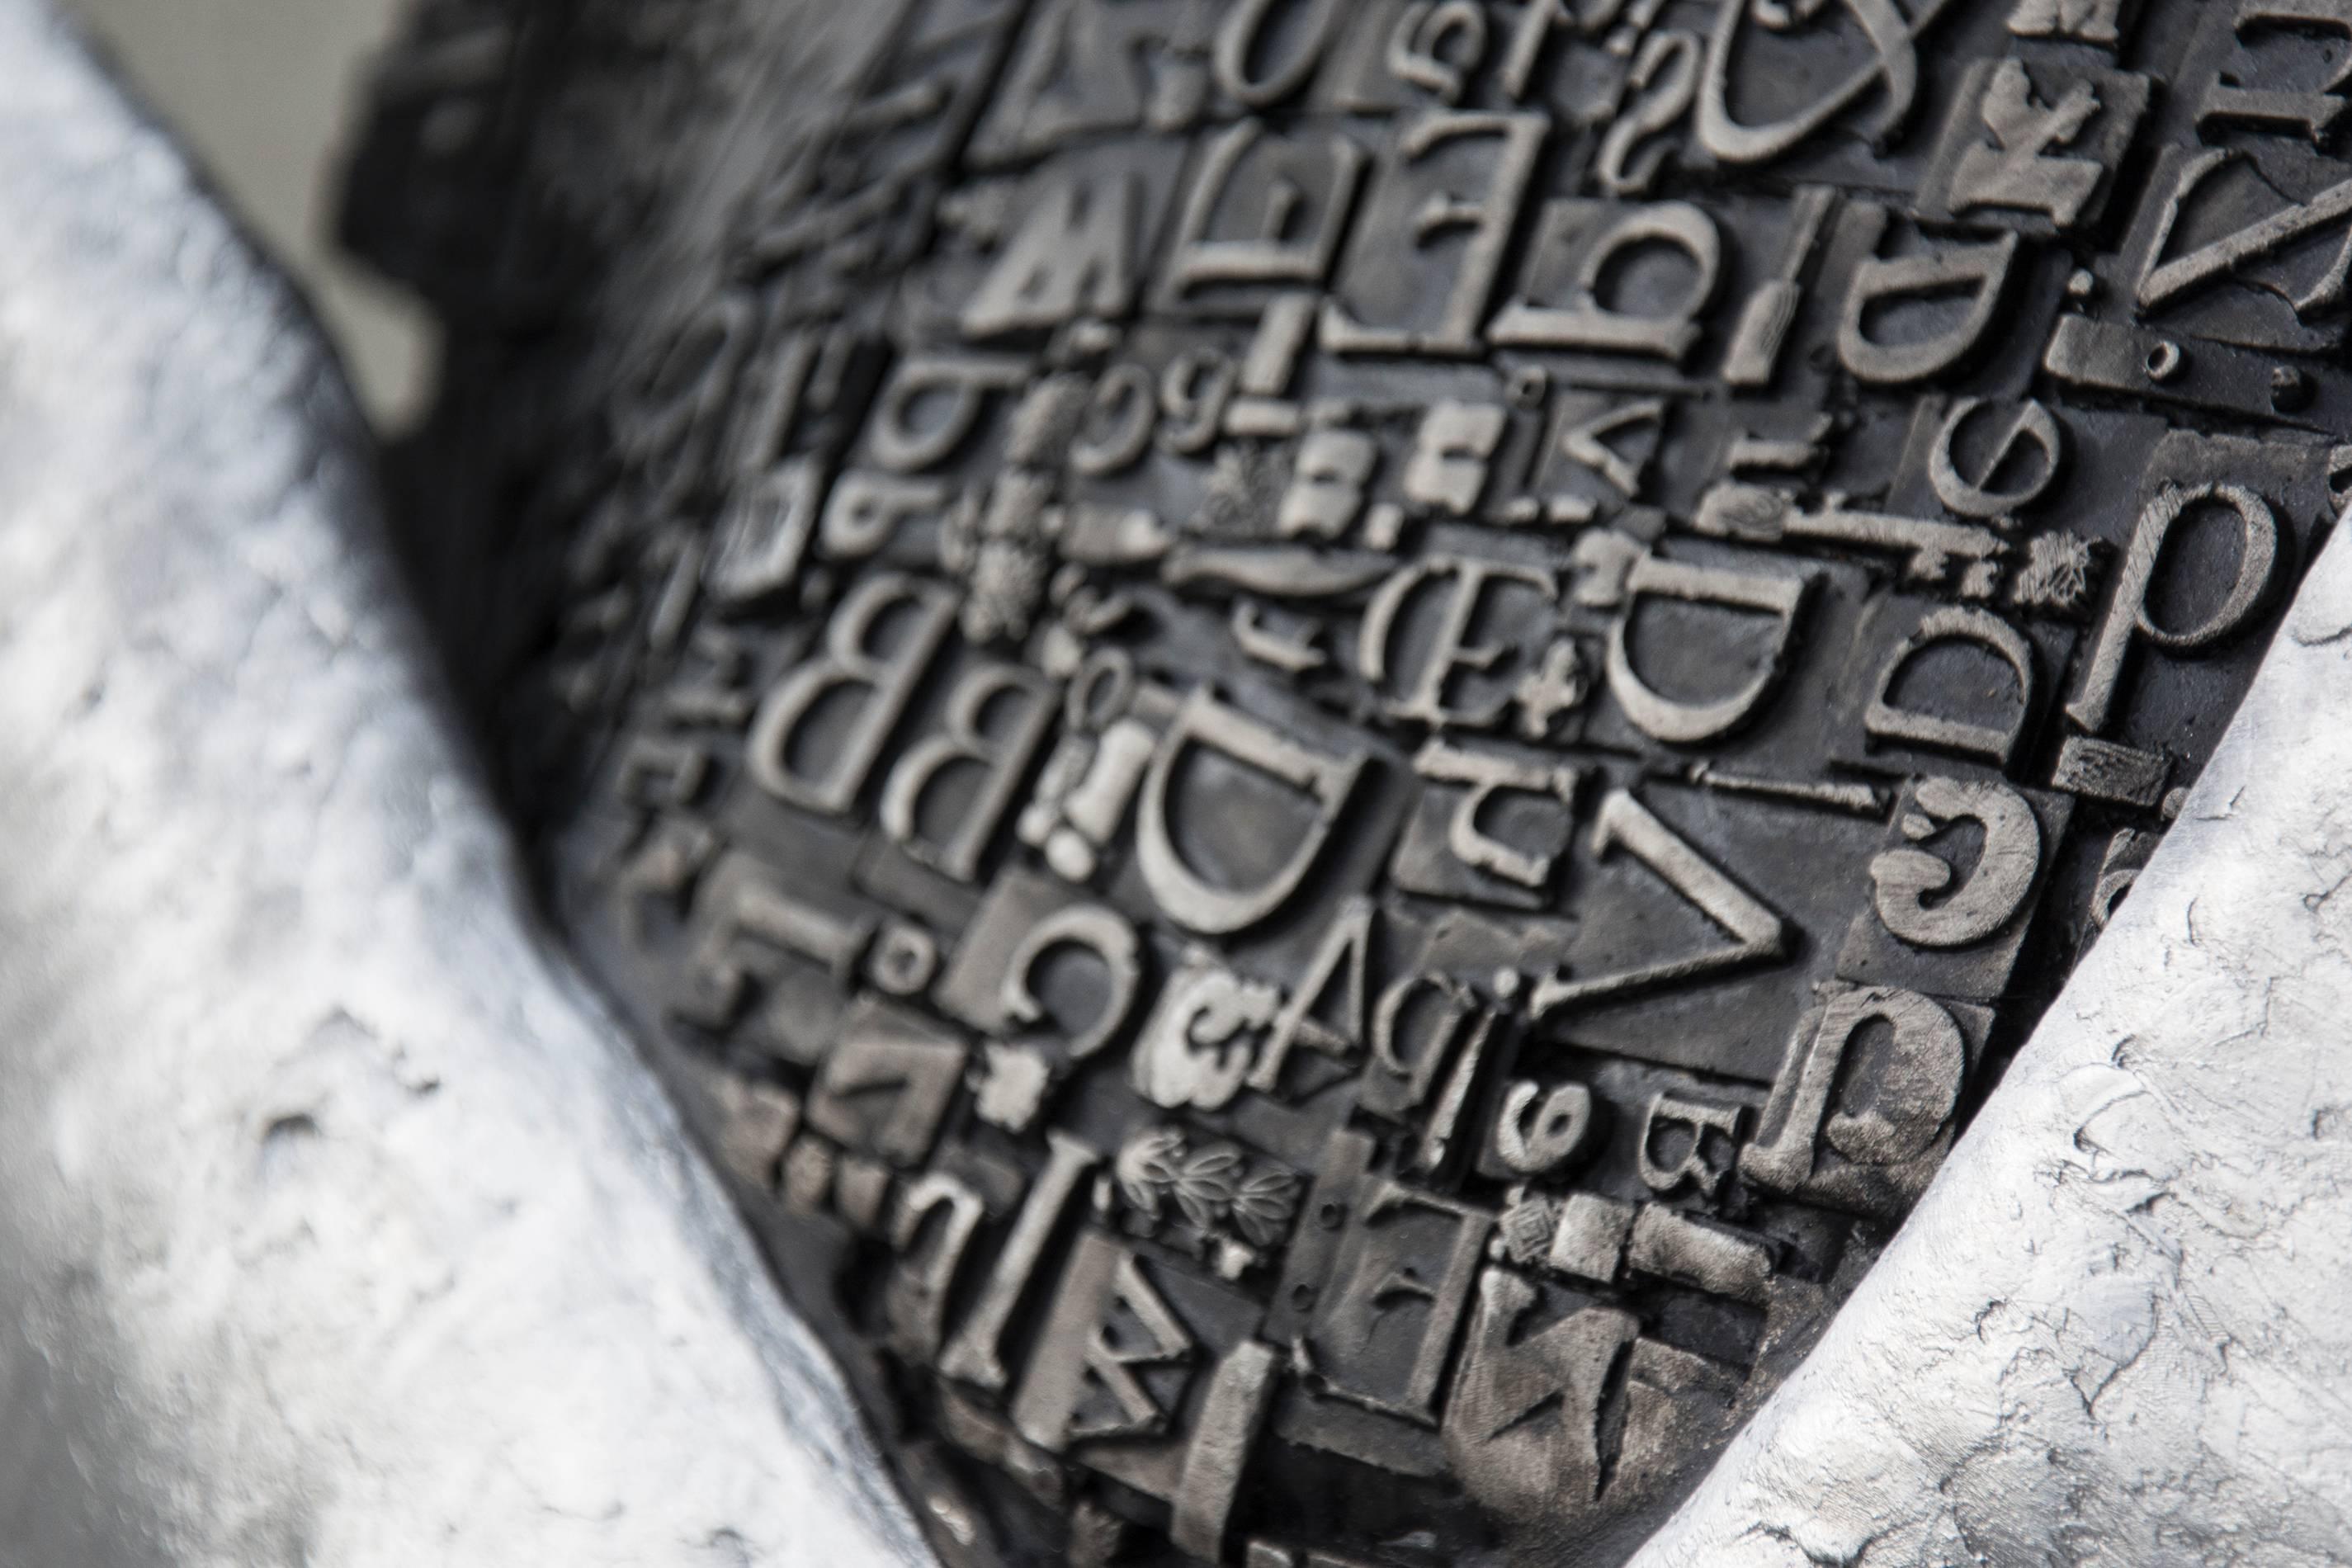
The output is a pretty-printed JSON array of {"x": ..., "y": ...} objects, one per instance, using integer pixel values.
[{"x": 1334, "y": 739}]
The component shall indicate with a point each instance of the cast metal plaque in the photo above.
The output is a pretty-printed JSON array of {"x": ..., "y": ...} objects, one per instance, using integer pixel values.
[{"x": 1351, "y": 726}]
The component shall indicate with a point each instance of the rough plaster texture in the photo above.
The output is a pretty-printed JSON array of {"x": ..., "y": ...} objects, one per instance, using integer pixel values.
[
  {"x": 2114, "y": 1331},
  {"x": 340, "y": 1228}
]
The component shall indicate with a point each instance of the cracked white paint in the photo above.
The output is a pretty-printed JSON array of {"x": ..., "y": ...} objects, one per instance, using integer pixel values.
[
  {"x": 2115, "y": 1331},
  {"x": 340, "y": 1226}
]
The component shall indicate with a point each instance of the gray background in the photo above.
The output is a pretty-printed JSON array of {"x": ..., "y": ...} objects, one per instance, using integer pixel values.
[{"x": 262, "y": 89}]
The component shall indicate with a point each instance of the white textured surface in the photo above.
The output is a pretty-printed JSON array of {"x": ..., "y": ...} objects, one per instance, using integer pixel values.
[
  {"x": 339, "y": 1227},
  {"x": 2115, "y": 1331}
]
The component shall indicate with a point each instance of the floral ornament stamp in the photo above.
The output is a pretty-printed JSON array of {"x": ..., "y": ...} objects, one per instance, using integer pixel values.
[{"x": 1209, "y": 1200}]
